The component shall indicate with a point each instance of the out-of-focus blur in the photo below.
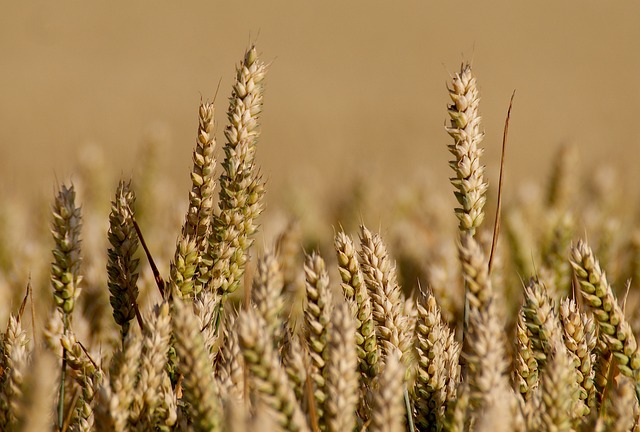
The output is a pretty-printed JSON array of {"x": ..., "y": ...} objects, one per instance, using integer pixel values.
[{"x": 355, "y": 89}]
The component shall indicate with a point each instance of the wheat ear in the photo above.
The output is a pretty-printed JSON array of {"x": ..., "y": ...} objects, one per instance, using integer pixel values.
[
  {"x": 526, "y": 365},
  {"x": 434, "y": 345},
  {"x": 39, "y": 389},
  {"x": 598, "y": 294},
  {"x": 231, "y": 364},
  {"x": 342, "y": 372},
  {"x": 267, "y": 295},
  {"x": 580, "y": 339},
  {"x": 621, "y": 409},
  {"x": 14, "y": 371},
  {"x": 557, "y": 388},
  {"x": 155, "y": 346},
  {"x": 543, "y": 325},
  {"x": 65, "y": 268},
  {"x": 266, "y": 375},
  {"x": 388, "y": 412},
  {"x": 317, "y": 321},
  {"x": 197, "y": 224},
  {"x": 354, "y": 288},
  {"x": 475, "y": 271},
  {"x": 124, "y": 370},
  {"x": 122, "y": 265},
  {"x": 392, "y": 325},
  {"x": 200, "y": 390},
  {"x": 467, "y": 136},
  {"x": 241, "y": 188},
  {"x": 184, "y": 267},
  {"x": 485, "y": 355},
  {"x": 88, "y": 375}
]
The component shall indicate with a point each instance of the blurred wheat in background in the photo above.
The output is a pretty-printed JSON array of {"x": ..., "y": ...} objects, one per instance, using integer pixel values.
[{"x": 376, "y": 306}]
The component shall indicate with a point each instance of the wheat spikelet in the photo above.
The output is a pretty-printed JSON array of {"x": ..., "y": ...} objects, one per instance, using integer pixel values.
[
  {"x": 184, "y": 267},
  {"x": 353, "y": 287},
  {"x": 199, "y": 387},
  {"x": 452, "y": 349},
  {"x": 266, "y": 375},
  {"x": 348, "y": 266},
  {"x": 166, "y": 414},
  {"x": 317, "y": 321},
  {"x": 388, "y": 414},
  {"x": 267, "y": 294},
  {"x": 342, "y": 375},
  {"x": 598, "y": 294},
  {"x": 465, "y": 131},
  {"x": 122, "y": 266},
  {"x": 241, "y": 188},
  {"x": 13, "y": 337}
]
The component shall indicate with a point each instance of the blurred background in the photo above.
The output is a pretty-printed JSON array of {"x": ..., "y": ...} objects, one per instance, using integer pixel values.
[{"x": 356, "y": 90}]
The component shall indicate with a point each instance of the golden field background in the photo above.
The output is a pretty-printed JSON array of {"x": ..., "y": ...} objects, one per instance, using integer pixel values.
[{"x": 355, "y": 88}]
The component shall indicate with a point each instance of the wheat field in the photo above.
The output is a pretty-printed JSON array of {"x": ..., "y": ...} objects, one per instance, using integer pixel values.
[{"x": 139, "y": 317}]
